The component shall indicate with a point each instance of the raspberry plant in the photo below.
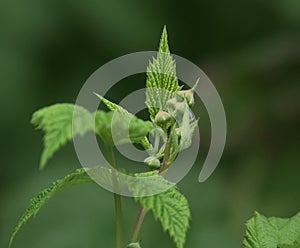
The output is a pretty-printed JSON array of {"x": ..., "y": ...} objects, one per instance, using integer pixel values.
[
  {"x": 166, "y": 101},
  {"x": 172, "y": 123}
]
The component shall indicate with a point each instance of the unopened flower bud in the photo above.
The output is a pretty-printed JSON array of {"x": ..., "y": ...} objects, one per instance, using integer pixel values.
[
  {"x": 162, "y": 118},
  {"x": 188, "y": 95},
  {"x": 178, "y": 131},
  {"x": 152, "y": 162},
  {"x": 175, "y": 107}
]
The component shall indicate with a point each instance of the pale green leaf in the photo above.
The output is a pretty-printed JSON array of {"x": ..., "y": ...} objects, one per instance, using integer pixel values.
[
  {"x": 162, "y": 82},
  {"x": 112, "y": 106},
  {"x": 56, "y": 122},
  {"x": 127, "y": 127}
]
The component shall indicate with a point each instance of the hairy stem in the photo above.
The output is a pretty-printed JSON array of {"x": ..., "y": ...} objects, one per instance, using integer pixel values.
[
  {"x": 117, "y": 200},
  {"x": 142, "y": 213}
]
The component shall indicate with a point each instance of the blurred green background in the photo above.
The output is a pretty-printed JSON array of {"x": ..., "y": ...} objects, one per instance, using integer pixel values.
[{"x": 249, "y": 49}]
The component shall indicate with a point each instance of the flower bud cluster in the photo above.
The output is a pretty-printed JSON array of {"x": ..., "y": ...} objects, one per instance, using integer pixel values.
[{"x": 177, "y": 121}]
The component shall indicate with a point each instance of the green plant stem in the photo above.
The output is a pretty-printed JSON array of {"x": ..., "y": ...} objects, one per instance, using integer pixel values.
[
  {"x": 118, "y": 204},
  {"x": 138, "y": 224},
  {"x": 142, "y": 213},
  {"x": 164, "y": 165}
]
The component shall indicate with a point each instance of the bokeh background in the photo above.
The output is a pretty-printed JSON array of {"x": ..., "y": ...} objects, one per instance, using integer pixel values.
[{"x": 249, "y": 49}]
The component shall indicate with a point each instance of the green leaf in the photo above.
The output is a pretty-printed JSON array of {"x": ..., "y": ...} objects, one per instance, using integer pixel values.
[
  {"x": 272, "y": 232},
  {"x": 290, "y": 232},
  {"x": 260, "y": 234},
  {"x": 171, "y": 208},
  {"x": 162, "y": 82},
  {"x": 294, "y": 245},
  {"x": 127, "y": 127},
  {"x": 56, "y": 122},
  {"x": 112, "y": 106},
  {"x": 152, "y": 184},
  {"x": 79, "y": 176}
]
